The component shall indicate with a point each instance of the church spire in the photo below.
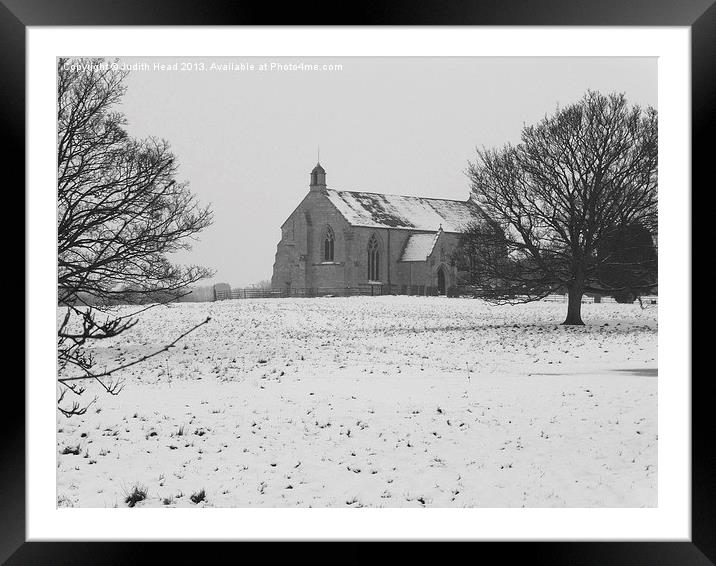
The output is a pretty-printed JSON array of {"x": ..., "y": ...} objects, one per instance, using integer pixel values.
[{"x": 318, "y": 177}]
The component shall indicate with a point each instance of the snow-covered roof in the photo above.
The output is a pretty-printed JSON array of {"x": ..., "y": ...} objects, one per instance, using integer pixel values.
[
  {"x": 419, "y": 247},
  {"x": 377, "y": 210}
]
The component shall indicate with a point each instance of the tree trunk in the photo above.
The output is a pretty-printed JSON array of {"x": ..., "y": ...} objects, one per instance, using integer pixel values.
[{"x": 574, "y": 305}]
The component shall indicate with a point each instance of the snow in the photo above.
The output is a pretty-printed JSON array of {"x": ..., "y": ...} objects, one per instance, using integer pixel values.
[
  {"x": 419, "y": 247},
  {"x": 375, "y": 210},
  {"x": 373, "y": 401}
]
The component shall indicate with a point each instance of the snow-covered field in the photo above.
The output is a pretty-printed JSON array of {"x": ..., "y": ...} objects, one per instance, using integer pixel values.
[{"x": 373, "y": 401}]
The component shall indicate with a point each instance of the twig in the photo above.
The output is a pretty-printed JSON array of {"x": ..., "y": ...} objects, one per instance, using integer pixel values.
[{"x": 139, "y": 360}]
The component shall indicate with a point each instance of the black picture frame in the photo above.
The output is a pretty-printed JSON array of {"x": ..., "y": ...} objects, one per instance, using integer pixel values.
[{"x": 699, "y": 15}]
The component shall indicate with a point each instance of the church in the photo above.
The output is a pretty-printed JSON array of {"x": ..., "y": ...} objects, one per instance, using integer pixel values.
[{"x": 351, "y": 242}]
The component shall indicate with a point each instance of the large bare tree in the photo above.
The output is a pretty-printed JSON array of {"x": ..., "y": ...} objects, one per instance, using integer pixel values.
[
  {"x": 567, "y": 201},
  {"x": 120, "y": 214}
]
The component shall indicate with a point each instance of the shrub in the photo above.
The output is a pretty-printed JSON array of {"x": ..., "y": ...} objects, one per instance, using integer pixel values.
[
  {"x": 71, "y": 450},
  {"x": 198, "y": 497},
  {"x": 138, "y": 493}
]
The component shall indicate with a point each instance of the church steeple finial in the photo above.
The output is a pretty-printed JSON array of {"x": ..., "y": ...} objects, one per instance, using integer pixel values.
[{"x": 318, "y": 176}]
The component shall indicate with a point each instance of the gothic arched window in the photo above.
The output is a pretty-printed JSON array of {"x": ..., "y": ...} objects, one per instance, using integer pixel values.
[
  {"x": 373, "y": 259},
  {"x": 328, "y": 244}
]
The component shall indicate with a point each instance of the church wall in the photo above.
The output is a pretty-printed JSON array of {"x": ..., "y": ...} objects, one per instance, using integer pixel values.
[
  {"x": 392, "y": 243},
  {"x": 299, "y": 256},
  {"x": 414, "y": 273},
  {"x": 442, "y": 256},
  {"x": 420, "y": 273},
  {"x": 328, "y": 274},
  {"x": 288, "y": 266}
]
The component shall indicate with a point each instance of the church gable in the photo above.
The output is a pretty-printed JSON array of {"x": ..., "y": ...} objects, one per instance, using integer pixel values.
[{"x": 443, "y": 248}]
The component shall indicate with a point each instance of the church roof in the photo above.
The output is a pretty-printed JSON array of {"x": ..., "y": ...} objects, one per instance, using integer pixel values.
[
  {"x": 419, "y": 247},
  {"x": 377, "y": 210}
]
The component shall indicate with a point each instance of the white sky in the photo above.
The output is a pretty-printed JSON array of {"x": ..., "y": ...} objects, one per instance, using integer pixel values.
[{"x": 247, "y": 141}]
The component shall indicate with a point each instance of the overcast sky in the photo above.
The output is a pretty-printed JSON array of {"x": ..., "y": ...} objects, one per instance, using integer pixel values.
[{"x": 247, "y": 140}]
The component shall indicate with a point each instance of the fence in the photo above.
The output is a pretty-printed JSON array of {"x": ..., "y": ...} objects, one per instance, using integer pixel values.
[
  {"x": 647, "y": 300},
  {"x": 362, "y": 290},
  {"x": 377, "y": 290}
]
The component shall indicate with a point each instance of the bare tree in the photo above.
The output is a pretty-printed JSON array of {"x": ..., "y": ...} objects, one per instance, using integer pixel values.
[
  {"x": 565, "y": 200},
  {"x": 121, "y": 212}
]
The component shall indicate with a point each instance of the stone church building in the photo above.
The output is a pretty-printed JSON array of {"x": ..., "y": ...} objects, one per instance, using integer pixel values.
[{"x": 338, "y": 242}]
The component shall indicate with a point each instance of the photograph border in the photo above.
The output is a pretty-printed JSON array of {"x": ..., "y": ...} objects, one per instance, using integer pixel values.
[{"x": 15, "y": 16}]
